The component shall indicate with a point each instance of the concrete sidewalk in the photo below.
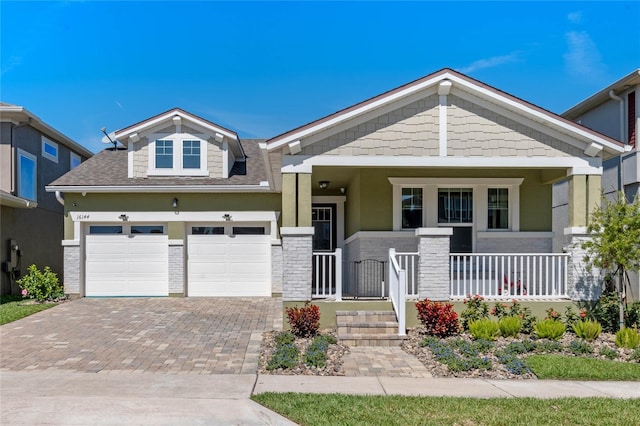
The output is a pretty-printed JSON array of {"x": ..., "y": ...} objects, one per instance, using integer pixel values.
[
  {"x": 477, "y": 388},
  {"x": 72, "y": 398}
]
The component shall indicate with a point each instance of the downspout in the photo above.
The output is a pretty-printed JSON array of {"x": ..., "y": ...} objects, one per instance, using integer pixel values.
[
  {"x": 613, "y": 96},
  {"x": 60, "y": 198}
]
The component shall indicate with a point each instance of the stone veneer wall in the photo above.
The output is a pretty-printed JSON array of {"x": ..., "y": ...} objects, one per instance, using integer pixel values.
[
  {"x": 433, "y": 266},
  {"x": 276, "y": 269},
  {"x": 582, "y": 283},
  {"x": 72, "y": 269},
  {"x": 297, "y": 264},
  {"x": 376, "y": 245},
  {"x": 176, "y": 268},
  {"x": 514, "y": 245}
]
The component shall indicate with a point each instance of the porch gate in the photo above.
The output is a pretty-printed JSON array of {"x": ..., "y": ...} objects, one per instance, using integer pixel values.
[{"x": 365, "y": 279}]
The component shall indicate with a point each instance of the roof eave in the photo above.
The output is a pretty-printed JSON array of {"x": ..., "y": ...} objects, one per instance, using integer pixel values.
[{"x": 262, "y": 187}]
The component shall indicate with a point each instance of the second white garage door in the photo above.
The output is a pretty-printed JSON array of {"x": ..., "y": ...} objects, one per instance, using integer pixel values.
[{"x": 228, "y": 265}]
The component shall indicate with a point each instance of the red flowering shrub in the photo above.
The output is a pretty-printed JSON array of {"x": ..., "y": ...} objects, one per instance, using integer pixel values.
[
  {"x": 439, "y": 318},
  {"x": 305, "y": 321}
]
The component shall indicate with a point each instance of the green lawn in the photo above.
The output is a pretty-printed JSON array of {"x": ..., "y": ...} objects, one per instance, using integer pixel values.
[
  {"x": 13, "y": 308},
  {"x": 337, "y": 409},
  {"x": 581, "y": 368}
]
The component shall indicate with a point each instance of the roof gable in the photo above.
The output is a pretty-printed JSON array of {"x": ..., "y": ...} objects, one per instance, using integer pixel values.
[
  {"x": 179, "y": 117},
  {"x": 449, "y": 81}
]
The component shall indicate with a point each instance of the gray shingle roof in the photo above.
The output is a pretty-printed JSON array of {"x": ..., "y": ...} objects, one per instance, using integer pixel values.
[{"x": 109, "y": 168}]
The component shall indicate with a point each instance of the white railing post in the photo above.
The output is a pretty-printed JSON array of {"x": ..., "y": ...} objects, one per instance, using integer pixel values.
[
  {"x": 402, "y": 305},
  {"x": 338, "y": 270},
  {"x": 398, "y": 291}
]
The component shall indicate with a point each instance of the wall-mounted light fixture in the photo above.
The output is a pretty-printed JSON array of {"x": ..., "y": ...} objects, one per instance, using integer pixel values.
[
  {"x": 324, "y": 184},
  {"x": 123, "y": 217},
  {"x": 174, "y": 203},
  {"x": 226, "y": 217},
  {"x": 343, "y": 190}
]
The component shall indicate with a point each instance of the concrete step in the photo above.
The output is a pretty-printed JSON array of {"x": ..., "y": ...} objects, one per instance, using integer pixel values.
[
  {"x": 371, "y": 339},
  {"x": 368, "y": 328}
]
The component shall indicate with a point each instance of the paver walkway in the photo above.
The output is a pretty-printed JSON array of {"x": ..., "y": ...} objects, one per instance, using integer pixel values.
[
  {"x": 382, "y": 361},
  {"x": 159, "y": 335}
]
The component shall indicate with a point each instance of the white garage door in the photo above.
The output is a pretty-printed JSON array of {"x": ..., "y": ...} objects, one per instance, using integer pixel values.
[
  {"x": 127, "y": 261},
  {"x": 235, "y": 264}
]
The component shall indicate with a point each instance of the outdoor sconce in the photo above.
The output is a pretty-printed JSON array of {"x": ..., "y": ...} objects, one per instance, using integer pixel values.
[
  {"x": 123, "y": 217},
  {"x": 324, "y": 184},
  {"x": 226, "y": 217},
  {"x": 174, "y": 203}
]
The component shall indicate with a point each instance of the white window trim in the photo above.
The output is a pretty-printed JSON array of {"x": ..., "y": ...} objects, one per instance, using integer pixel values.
[
  {"x": 51, "y": 143},
  {"x": 74, "y": 156},
  {"x": 35, "y": 177},
  {"x": 480, "y": 188},
  {"x": 177, "y": 169}
]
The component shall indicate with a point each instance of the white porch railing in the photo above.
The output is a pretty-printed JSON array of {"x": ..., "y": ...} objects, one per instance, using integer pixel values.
[
  {"x": 398, "y": 291},
  {"x": 409, "y": 262},
  {"x": 508, "y": 276},
  {"x": 327, "y": 275}
]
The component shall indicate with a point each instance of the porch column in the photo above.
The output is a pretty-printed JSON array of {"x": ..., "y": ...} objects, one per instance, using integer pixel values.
[
  {"x": 433, "y": 266},
  {"x": 297, "y": 256},
  {"x": 584, "y": 196},
  {"x": 581, "y": 283},
  {"x": 297, "y": 237}
]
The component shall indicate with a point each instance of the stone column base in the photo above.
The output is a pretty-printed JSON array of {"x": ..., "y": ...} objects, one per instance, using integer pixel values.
[
  {"x": 433, "y": 266},
  {"x": 297, "y": 258},
  {"x": 582, "y": 284}
]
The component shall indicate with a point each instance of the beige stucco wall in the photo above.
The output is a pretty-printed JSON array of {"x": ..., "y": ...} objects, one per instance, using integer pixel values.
[
  {"x": 410, "y": 130},
  {"x": 369, "y": 205},
  {"x": 162, "y": 202},
  {"x": 475, "y": 131}
]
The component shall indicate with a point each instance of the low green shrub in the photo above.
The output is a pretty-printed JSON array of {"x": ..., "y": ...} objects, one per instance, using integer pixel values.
[
  {"x": 628, "y": 338},
  {"x": 588, "y": 330},
  {"x": 548, "y": 346},
  {"x": 284, "y": 337},
  {"x": 510, "y": 326},
  {"x": 285, "y": 356},
  {"x": 304, "y": 321},
  {"x": 502, "y": 310},
  {"x": 484, "y": 329},
  {"x": 580, "y": 347},
  {"x": 549, "y": 329},
  {"x": 632, "y": 315},
  {"x": 40, "y": 285},
  {"x": 316, "y": 354},
  {"x": 438, "y": 318},
  {"x": 475, "y": 308},
  {"x": 635, "y": 355},
  {"x": 608, "y": 353}
]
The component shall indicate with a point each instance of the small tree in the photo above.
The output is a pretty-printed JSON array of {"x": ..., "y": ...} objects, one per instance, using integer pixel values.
[{"x": 615, "y": 240}]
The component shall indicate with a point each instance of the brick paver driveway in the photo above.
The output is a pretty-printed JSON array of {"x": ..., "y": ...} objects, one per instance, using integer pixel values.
[{"x": 161, "y": 335}]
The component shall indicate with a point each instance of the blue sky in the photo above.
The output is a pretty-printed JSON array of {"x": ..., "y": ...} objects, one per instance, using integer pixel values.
[{"x": 264, "y": 68}]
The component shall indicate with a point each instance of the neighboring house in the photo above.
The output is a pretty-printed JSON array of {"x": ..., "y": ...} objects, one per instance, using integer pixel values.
[
  {"x": 445, "y": 169},
  {"x": 615, "y": 112},
  {"x": 32, "y": 154}
]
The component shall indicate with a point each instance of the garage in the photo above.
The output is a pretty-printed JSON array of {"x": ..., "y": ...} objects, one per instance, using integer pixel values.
[
  {"x": 126, "y": 260},
  {"x": 228, "y": 260}
]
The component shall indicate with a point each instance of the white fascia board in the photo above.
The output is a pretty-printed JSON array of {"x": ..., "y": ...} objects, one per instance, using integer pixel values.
[
  {"x": 359, "y": 111},
  {"x": 263, "y": 187},
  {"x": 10, "y": 200},
  {"x": 267, "y": 165},
  {"x": 174, "y": 216},
  {"x": 168, "y": 118},
  {"x": 455, "y": 181},
  {"x": 539, "y": 115},
  {"x": 292, "y": 163}
]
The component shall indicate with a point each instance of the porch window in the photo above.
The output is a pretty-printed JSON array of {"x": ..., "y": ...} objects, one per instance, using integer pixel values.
[
  {"x": 411, "y": 208},
  {"x": 455, "y": 205},
  {"x": 498, "y": 208}
]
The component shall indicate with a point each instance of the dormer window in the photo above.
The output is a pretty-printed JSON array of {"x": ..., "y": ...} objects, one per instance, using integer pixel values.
[
  {"x": 191, "y": 154},
  {"x": 164, "y": 154},
  {"x": 179, "y": 154}
]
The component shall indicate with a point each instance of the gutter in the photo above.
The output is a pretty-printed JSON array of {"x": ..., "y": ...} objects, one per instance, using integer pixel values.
[
  {"x": 60, "y": 198},
  {"x": 262, "y": 187}
]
